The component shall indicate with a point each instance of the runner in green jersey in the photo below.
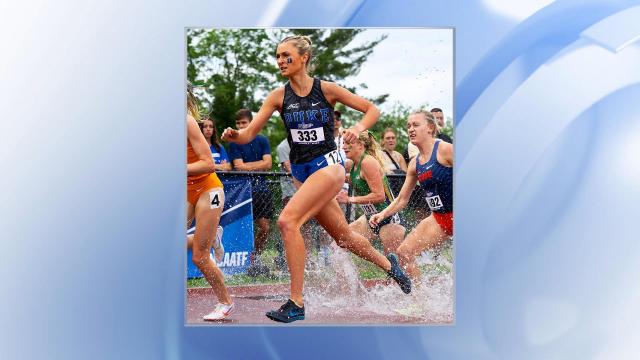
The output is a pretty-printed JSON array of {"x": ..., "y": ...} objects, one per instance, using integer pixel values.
[{"x": 372, "y": 192}]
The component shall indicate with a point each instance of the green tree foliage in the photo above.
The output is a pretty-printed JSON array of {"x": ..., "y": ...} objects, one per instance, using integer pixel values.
[
  {"x": 448, "y": 127},
  {"x": 234, "y": 69},
  {"x": 396, "y": 119},
  {"x": 334, "y": 57},
  {"x": 229, "y": 66},
  {"x": 334, "y": 60}
]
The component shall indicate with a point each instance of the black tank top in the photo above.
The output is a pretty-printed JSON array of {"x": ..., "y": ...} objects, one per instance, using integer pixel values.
[{"x": 309, "y": 123}]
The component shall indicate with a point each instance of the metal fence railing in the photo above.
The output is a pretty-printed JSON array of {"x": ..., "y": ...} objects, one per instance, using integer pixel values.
[
  {"x": 267, "y": 193},
  {"x": 273, "y": 182}
]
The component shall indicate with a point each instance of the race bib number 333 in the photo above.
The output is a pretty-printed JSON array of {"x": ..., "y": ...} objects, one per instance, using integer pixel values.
[{"x": 307, "y": 136}]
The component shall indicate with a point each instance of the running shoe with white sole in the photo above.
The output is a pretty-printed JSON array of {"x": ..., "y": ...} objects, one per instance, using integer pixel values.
[
  {"x": 221, "y": 312},
  {"x": 218, "y": 248}
]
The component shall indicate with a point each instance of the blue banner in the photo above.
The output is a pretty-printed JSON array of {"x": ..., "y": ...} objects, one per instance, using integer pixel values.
[{"x": 237, "y": 224}]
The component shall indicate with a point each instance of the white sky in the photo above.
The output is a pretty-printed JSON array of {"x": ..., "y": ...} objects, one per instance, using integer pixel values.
[{"x": 414, "y": 66}]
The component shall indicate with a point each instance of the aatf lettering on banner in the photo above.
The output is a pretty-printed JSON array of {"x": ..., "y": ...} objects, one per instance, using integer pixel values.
[{"x": 237, "y": 224}]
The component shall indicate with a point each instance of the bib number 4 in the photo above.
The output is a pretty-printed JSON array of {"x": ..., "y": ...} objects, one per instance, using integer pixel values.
[{"x": 215, "y": 199}]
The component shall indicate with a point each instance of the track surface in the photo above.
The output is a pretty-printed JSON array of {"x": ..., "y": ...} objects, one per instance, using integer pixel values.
[{"x": 252, "y": 302}]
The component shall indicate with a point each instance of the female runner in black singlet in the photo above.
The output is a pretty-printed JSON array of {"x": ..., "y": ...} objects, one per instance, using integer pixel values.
[{"x": 306, "y": 107}]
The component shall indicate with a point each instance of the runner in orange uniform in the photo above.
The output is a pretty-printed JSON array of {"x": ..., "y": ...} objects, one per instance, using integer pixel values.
[{"x": 205, "y": 201}]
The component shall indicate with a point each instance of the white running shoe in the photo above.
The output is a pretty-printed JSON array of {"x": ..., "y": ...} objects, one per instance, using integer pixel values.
[
  {"x": 221, "y": 312},
  {"x": 218, "y": 248}
]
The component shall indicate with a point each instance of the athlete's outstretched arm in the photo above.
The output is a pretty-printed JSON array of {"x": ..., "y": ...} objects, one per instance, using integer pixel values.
[
  {"x": 244, "y": 136},
  {"x": 334, "y": 92},
  {"x": 402, "y": 199},
  {"x": 205, "y": 164}
]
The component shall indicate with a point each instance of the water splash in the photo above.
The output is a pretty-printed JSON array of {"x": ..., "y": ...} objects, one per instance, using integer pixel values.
[{"x": 337, "y": 288}]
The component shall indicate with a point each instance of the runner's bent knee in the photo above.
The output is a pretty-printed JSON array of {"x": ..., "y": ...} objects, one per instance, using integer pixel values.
[
  {"x": 200, "y": 258},
  {"x": 287, "y": 225}
]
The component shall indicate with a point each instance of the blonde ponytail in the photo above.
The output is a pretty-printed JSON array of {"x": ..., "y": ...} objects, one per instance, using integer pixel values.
[
  {"x": 371, "y": 146},
  {"x": 192, "y": 103}
]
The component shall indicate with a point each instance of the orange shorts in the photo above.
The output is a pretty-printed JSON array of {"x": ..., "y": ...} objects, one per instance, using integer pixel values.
[
  {"x": 445, "y": 220},
  {"x": 196, "y": 188}
]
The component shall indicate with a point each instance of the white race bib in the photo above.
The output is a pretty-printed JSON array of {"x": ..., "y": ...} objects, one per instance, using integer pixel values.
[
  {"x": 332, "y": 158},
  {"x": 307, "y": 136},
  {"x": 434, "y": 202},
  {"x": 215, "y": 199},
  {"x": 395, "y": 219}
]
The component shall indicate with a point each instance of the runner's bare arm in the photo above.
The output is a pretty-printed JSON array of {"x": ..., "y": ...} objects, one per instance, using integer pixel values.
[
  {"x": 244, "y": 136},
  {"x": 336, "y": 93},
  {"x": 445, "y": 154}
]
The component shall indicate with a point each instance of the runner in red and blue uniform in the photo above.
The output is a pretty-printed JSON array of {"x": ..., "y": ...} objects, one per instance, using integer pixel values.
[{"x": 433, "y": 168}]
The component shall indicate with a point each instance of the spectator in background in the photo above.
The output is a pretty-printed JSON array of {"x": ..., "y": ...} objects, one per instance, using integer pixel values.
[
  {"x": 220, "y": 157},
  {"x": 337, "y": 137},
  {"x": 286, "y": 184},
  {"x": 255, "y": 156},
  {"x": 394, "y": 163},
  {"x": 439, "y": 116}
]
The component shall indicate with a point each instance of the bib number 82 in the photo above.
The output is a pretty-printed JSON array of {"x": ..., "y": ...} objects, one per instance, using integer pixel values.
[{"x": 434, "y": 202}]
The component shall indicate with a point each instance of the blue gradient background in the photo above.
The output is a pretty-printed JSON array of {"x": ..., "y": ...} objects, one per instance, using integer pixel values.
[{"x": 547, "y": 182}]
